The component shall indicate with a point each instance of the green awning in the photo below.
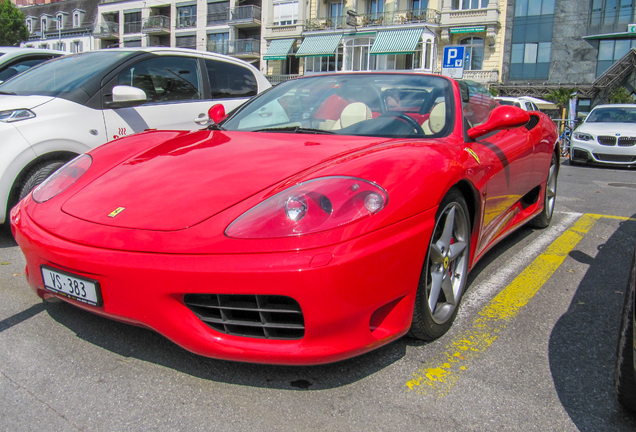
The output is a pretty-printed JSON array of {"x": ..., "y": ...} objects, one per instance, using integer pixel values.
[
  {"x": 396, "y": 41},
  {"x": 623, "y": 35},
  {"x": 319, "y": 46},
  {"x": 278, "y": 49}
]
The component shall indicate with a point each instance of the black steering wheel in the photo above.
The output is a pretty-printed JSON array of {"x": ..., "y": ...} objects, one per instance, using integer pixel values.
[{"x": 407, "y": 119}]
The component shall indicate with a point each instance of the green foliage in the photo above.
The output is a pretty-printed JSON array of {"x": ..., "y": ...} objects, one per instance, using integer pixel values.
[
  {"x": 13, "y": 30},
  {"x": 620, "y": 95},
  {"x": 494, "y": 91},
  {"x": 561, "y": 97}
]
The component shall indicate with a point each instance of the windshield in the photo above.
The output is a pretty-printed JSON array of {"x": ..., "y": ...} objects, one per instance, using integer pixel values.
[
  {"x": 612, "y": 115},
  {"x": 62, "y": 75},
  {"x": 372, "y": 104}
]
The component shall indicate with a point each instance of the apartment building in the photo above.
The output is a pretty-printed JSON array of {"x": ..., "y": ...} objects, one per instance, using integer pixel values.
[
  {"x": 231, "y": 27},
  {"x": 65, "y": 26}
]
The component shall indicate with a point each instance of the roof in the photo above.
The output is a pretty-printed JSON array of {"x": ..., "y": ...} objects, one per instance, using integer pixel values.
[{"x": 67, "y": 6}]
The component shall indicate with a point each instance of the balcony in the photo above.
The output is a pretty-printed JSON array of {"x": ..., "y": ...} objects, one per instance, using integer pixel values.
[
  {"x": 245, "y": 16},
  {"x": 186, "y": 22},
  {"x": 482, "y": 76},
  {"x": 156, "y": 25},
  {"x": 219, "y": 18},
  {"x": 132, "y": 27},
  {"x": 427, "y": 16},
  {"x": 106, "y": 30},
  {"x": 240, "y": 48}
]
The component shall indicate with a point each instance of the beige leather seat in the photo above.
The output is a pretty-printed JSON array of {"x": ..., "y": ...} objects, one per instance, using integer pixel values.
[
  {"x": 436, "y": 120},
  {"x": 353, "y": 113}
]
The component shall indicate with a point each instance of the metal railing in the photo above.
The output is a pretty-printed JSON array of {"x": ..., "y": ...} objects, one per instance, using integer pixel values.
[
  {"x": 245, "y": 13},
  {"x": 156, "y": 22},
  {"x": 107, "y": 28},
  {"x": 430, "y": 16},
  {"x": 219, "y": 17},
  {"x": 236, "y": 47},
  {"x": 132, "y": 27},
  {"x": 186, "y": 22}
]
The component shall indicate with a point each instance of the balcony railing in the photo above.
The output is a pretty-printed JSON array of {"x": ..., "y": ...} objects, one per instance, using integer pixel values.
[
  {"x": 219, "y": 17},
  {"x": 156, "y": 24},
  {"x": 245, "y": 14},
  {"x": 239, "y": 47},
  {"x": 186, "y": 22},
  {"x": 106, "y": 30},
  {"x": 429, "y": 16},
  {"x": 132, "y": 27},
  {"x": 482, "y": 76}
]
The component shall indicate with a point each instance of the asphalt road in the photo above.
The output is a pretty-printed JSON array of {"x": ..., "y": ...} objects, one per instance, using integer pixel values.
[{"x": 544, "y": 363}]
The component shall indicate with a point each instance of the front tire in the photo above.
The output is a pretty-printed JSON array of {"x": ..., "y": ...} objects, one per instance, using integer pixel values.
[
  {"x": 445, "y": 270},
  {"x": 543, "y": 219}
]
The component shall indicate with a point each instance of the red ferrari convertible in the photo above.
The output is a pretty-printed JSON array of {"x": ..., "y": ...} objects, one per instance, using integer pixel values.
[{"x": 328, "y": 216}]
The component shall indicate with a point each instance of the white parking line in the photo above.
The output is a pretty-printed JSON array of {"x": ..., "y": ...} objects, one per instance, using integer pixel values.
[{"x": 477, "y": 296}]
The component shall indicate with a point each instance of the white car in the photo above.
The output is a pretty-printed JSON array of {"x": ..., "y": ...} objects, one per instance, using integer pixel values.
[
  {"x": 65, "y": 107},
  {"x": 520, "y": 102},
  {"x": 607, "y": 136},
  {"x": 14, "y": 60}
]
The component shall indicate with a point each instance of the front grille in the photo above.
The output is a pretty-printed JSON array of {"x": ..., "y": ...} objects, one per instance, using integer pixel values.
[
  {"x": 626, "y": 141},
  {"x": 258, "y": 316},
  {"x": 607, "y": 140},
  {"x": 614, "y": 158}
]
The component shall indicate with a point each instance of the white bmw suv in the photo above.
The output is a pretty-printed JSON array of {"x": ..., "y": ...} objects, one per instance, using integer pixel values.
[{"x": 67, "y": 106}]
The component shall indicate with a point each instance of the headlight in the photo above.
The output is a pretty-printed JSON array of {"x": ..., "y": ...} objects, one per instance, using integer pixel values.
[
  {"x": 62, "y": 179},
  {"x": 16, "y": 115},
  {"x": 310, "y": 207},
  {"x": 583, "y": 136}
]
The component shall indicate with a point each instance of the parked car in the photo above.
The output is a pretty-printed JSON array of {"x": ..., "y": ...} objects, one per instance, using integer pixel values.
[
  {"x": 520, "y": 102},
  {"x": 14, "y": 60},
  {"x": 317, "y": 222},
  {"x": 65, "y": 107},
  {"x": 625, "y": 369},
  {"x": 607, "y": 136}
]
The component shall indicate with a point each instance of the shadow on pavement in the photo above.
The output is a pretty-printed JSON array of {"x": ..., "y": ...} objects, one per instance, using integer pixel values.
[
  {"x": 582, "y": 347},
  {"x": 6, "y": 239}
]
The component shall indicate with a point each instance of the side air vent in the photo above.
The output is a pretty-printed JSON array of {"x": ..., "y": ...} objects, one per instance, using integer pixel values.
[
  {"x": 534, "y": 120},
  {"x": 257, "y": 316}
]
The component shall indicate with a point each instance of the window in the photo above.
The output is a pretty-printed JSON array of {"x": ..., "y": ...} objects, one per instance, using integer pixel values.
[
  {"x": 534, "y": 7},
  {"x": 218, "y": 43},
  {"x": 59, "y": 46},
  {"x": 44, "y": 25},
  {"x": 187, "y": 16},
  {"x": 532, "y": 30},
  {"x": 132, "y": 22},
  {"x": 375, "y": 8},
  {"x": 165, "y": 79},
  {"x": 612, "y": 13},
  {"x": 285, "y": 12},
  {"x": 335, "y": 10},
  {"x": 76, "y": 19},
  {"x": 189, "y": 41},
  {"x": 19, "y": 66},
  {"x": 59, "y": 22},
  {"x": 474, "y": 53},
  {"x": 76, "y": 46},
  {"x": 324, "y": 64},
  {"x": 132, "y": 43},
  {"x": 218, "y": 12},
  {"x": 357, "y": 53},
  {"x": 229, "y": 80},
  {"x": 470, "y": 4},
  {"x": 610, "y": 51},
  {"x": 29, "y": 24},
  {"x": 418, "y": 5}
]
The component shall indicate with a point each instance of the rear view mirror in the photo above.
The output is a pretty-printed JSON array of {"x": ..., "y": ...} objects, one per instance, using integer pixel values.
[
  {"x": 216, "y": 113},
  {"x": 500, "y": 118},
  {"x": 127, "y": 96}
]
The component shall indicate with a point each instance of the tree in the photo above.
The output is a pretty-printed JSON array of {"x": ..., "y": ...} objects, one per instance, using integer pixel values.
[
  {"x": 13, "y": 30},
  {"x": 620, "y": 95},
  {"x": 561, "y": 97}
]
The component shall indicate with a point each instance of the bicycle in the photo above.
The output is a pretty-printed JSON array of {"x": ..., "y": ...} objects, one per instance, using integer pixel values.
[{"x": 564, "y": 141}]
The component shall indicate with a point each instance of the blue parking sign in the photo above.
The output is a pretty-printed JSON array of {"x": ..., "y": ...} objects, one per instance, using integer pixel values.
[{"x": 453, "y": 61}]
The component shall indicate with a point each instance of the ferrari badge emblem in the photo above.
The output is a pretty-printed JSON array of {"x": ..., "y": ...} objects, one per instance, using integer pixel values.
[
  {"x": 116, "y": 211},
  {"x": 473, "y": 154}
]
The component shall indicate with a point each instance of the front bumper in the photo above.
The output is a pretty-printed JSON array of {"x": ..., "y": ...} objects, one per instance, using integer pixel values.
[
  {"x": 354, "y": 296},
  {"x": 592, "y": 151}
]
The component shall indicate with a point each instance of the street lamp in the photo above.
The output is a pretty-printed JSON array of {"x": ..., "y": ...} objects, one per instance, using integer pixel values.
[{"x": 59, "y": 31}]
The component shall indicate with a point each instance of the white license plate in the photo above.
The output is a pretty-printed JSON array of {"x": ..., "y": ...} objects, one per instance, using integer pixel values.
[{"x": 72, "y": 286}]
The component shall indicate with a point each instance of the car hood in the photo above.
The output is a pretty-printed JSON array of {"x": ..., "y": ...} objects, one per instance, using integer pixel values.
[
  {"x": 624, "y": 129},
  {"x": 182, "y": 181},
  {"x": 9, "y": 102}
]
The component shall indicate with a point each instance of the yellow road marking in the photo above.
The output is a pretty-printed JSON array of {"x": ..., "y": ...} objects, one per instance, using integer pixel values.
[
  {"x": 598, "y": 216},
  {"x": 440, "y": 374}
]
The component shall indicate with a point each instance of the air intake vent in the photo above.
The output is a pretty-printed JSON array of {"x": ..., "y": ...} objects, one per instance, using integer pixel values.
[
  {"x": 534, "y": 120},
  {"x": 614, "y": 158},
  {"x": 607, "y": 140},
  {"x": 257, "y": 316}
]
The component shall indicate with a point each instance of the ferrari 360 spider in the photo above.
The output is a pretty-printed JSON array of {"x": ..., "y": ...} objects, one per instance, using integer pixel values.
[{"x": 324, "y": 218}]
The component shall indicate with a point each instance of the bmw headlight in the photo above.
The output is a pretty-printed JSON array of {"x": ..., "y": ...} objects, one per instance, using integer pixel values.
[
  {"x": 583, "y": 136},
  {"x": 15, "y": 115}
]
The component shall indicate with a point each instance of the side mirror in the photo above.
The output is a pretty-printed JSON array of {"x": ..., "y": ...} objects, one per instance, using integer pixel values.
[
  {"x": 500, "y": 118},
  {"x": 216, "y": 113},
  {"x": 126, "y": 96}
]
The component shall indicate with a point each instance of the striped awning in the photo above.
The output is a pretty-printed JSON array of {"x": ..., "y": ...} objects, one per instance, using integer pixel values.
[
  {"x": 319, "y": 46},
  {"x": 278, "y": 49},
  {"x": 396, "y": 41}
]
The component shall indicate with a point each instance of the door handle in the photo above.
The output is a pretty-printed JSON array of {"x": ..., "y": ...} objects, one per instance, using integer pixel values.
[{"x": 202, "y": 119}]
